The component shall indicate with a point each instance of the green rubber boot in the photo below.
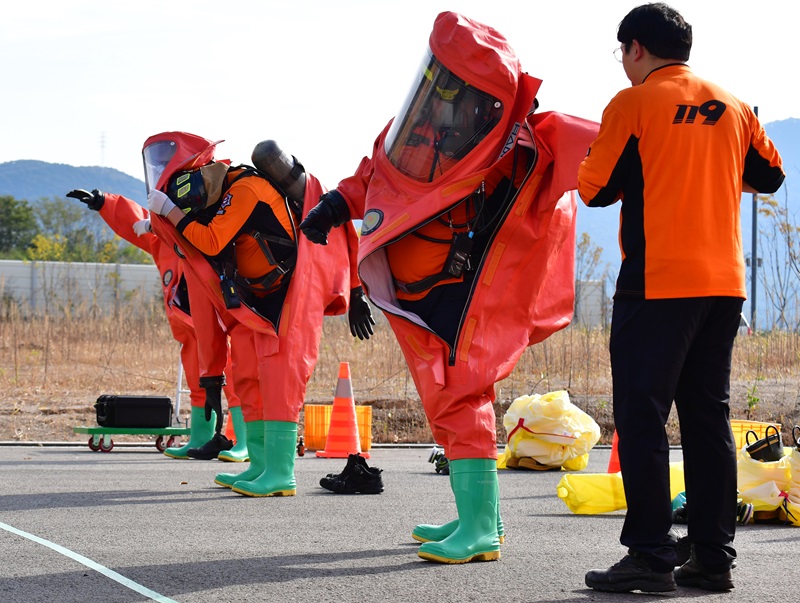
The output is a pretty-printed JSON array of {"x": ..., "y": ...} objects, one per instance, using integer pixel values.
[
  {"x": 200, "y": 432},
  {"x": 278, "y": 476},
  {"x": 254, "y": 431},
  {"x": 474, "y": 483},
  {"x": 426, "y": 532},
  {"x": 237, "y": 454}
]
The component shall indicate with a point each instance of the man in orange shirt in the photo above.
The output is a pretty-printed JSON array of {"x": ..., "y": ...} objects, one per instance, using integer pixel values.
[{"x": 677, "y": 151}]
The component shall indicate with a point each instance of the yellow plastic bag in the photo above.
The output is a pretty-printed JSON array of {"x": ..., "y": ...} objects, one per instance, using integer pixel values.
[
  {"x": 549, "y": 429},
  {"x": 791, "y": 508},
  {"x": 592, "y": 493},
  {"x": 762, "y": 483}
]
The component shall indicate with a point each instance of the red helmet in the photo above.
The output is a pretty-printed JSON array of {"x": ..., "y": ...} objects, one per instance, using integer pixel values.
[{"x": 169, "y": 152}]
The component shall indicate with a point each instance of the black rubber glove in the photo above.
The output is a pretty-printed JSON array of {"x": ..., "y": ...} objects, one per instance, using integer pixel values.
[
  {"x": 93, "y": 200},
  {"x": 213, "y": 387},
  {"x": 331, "y": 211},
  {"x": 360, "y": 315}
]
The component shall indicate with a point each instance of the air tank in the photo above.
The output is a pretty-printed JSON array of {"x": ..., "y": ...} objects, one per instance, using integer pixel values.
[{"x": 286, "y": 173}]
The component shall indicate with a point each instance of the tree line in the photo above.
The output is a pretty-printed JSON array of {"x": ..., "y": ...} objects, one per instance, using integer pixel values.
[{"x": 60, "y": 230}]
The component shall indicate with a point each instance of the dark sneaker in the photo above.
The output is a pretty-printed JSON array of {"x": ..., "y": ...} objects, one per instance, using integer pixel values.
[
  {"x": 360, "y": 480},
  {"x": 693, "y": 574},
  {"x": 352, "y": 461},
  {"x": 210, "y": 449},
  {"x": 631, "y": 573},
  {"x": 683, "y": 550}
]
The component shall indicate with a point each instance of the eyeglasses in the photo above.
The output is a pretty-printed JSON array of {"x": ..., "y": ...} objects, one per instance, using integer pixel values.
[{"x": 618, "y": 54}]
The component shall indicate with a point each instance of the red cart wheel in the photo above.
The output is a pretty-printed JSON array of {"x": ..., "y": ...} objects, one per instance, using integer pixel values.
[
  {"x": 170, "y": 442},
  {"x": 160, "y": 444},
  {"x": 106, "y": 447},
  {"x": 92, "y": 446}
]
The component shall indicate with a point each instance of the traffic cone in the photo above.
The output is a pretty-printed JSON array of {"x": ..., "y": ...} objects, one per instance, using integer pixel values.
[
  {"x": 613, "y": 462},
  {"x": 343, "y": 439},
  {"x": 229, "y": 432}
]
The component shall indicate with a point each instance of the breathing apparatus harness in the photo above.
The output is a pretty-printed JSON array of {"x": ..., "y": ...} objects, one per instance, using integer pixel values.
[
  {"x": 229, "y": 278},
  {"x": 459, "y": 257}
]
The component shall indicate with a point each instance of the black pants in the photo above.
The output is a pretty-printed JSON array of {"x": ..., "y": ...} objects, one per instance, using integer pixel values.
[{"x": 665, "y": 350}]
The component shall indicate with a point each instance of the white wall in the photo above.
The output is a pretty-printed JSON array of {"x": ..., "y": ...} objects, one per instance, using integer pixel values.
[{"x": 39, "y": 286}]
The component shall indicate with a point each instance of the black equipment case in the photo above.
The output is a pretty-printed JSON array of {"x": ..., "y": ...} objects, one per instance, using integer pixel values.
[{"x": 133, "y": 411}]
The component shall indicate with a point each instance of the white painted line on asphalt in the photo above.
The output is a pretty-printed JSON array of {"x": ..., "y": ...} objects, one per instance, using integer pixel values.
[{"x": 154, "y": 596}]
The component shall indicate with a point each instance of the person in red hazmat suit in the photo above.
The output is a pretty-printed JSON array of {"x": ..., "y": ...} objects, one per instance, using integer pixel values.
[
  {"x": 238, "y": 233},
  {"x": 203, "y": 365},
  {"x": 467, "y": 245}
]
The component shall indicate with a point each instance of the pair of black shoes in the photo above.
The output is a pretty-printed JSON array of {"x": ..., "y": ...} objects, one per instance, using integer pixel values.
[
  {"x": 210, "y": 449},
  {"x": 357, "y": 478},
  {"x": 634, "y": 573}
]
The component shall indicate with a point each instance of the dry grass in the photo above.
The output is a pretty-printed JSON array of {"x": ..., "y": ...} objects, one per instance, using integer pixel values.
[{"x": 52, "y": 370}]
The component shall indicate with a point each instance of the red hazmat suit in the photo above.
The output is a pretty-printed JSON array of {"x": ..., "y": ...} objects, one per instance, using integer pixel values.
[
  {"x": 285, "y": 351},
  {"x": 204, "y": 350},
  {"x": 523, "y": 287}
]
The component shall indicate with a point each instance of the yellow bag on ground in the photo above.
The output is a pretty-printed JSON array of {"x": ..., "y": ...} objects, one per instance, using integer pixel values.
[
  {"x": 791, "y": 509},
  {"x": 762, "y": 483},
  {"x": 592, "y": 493},
  {"x": 549, "y": 429}
]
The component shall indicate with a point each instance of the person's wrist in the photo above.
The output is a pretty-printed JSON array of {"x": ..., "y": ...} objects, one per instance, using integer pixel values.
[{"x": 174, "y": 215}]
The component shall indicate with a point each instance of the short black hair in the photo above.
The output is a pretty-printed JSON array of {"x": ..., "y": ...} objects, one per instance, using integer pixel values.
[{"x": 660, "y": 29}]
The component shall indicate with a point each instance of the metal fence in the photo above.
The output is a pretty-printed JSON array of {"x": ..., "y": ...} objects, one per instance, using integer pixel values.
[{"x": 48, "y": 287}]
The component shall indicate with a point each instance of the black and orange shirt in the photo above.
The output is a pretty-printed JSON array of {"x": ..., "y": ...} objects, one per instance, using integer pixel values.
[
  {"x": 249, "y": 205},
  {"x": 676, "y": 150}
]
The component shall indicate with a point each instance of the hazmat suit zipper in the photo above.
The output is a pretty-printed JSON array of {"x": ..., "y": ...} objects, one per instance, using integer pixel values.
[{"x": 451, "y": 360}]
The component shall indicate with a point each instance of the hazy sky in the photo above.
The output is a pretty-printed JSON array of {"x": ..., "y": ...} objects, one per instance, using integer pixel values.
[{"x": 85, "y": 82}]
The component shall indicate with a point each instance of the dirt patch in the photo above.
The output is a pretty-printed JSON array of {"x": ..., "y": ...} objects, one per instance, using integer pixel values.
[{"x": 52, "y": 372}]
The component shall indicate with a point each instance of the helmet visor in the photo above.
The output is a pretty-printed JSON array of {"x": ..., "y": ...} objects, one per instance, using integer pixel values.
[
  {"x": 156, "y": 157},
  {"x": 441, "y": 121}
]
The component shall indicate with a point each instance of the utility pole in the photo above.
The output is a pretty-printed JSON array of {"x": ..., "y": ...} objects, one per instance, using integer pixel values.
[{"x": 754, "y": 257}]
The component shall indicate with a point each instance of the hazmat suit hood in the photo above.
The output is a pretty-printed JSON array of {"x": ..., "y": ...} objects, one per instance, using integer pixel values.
[
  {"x": 168, "y": 152},
  {"x": 458, "y": 110}
]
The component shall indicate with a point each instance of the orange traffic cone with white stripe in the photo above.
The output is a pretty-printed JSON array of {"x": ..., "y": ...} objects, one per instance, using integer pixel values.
[
  {"x": 613, "y": 462},
  {"x": 343, "y": 439}
]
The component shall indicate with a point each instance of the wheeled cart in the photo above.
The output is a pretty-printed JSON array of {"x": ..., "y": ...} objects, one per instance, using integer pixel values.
[
  {"x": 101, "y": 441},
  {"x": 101, "y": 436}
]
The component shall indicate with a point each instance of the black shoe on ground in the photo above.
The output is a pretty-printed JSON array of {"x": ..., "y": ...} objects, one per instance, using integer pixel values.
[
  {"x": 352, "y": 461},
  {"x": 360, "y": 480},
  {"x": 631, "y": 573},
  {"x": 693, "y": 574},
  {"x": 210, "y": 449},
  {"x": 683, "y": 550}
]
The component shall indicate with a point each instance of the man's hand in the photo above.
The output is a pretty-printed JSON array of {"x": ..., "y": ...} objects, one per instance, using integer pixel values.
[
  {"x": 331, "y": 211},
  {"x": 141, "y": 227},
  {"x": 360, "y": 315},
  {"x": 159, "y": 203},
  {"x": 93, "y": 200}
]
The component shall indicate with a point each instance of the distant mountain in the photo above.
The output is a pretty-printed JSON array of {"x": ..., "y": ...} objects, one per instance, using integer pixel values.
[{"x": 33, "y": 180}]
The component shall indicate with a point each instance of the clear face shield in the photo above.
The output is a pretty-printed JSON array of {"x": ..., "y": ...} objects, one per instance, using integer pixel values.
[
  {"x": 441, "y": 121},
  {"x": 156, "y": 157}
]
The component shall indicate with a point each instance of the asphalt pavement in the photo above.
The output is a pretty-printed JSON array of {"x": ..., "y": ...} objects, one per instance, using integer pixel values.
[{"x": 132, "y": 525}]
